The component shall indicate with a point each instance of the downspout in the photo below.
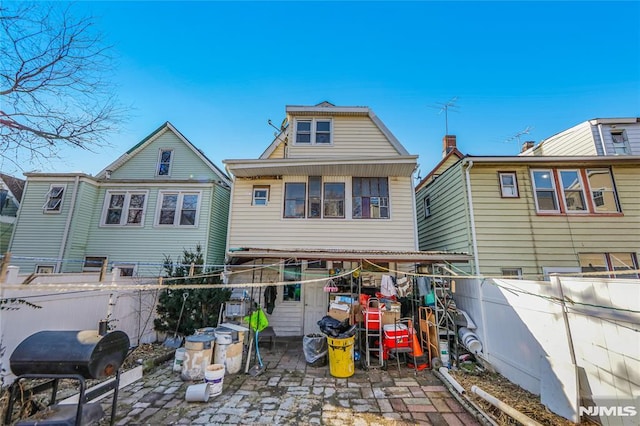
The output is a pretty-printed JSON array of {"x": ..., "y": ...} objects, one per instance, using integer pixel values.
[
  {"x": 67, "y": 226},
  {"x": 604, "y": 148},
  {"x": 227, "y": 248},
  {"x": 415, "y": 213},
  {"x": 476, "y": 263}
]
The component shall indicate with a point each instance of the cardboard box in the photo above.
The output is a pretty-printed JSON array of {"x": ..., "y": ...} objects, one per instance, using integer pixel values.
[
  {"x": 390, "y": 317},
  {"x": 340, "y": 311}
]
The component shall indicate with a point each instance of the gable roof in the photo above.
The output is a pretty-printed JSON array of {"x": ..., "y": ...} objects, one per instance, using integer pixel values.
[
  {"x": 14, "y": 185},
  {"x": 330, "y": 110},
  {"x": 167, "y": 126}
]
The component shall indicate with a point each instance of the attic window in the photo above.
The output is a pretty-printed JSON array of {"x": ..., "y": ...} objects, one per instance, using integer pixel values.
[
  {"x": 54, "y": 199},
  {"x": 620, "y": 142},
  {"x": 164, "y": 162},
  {"x": 314, "y": 131}
]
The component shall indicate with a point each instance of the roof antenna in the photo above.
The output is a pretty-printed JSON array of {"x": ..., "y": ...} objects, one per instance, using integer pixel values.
[
  {"x": 450, "y": 105},
  {"x": 272, "y": 125},
  {"x": 526, "y": 131}
]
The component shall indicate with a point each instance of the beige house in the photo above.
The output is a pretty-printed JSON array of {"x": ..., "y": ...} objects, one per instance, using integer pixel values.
[
  {"x": 529, "y": 216},
  {"x": 332, "y": 193}
]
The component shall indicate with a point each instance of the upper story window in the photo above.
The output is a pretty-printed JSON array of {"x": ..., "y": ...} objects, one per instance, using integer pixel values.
[
  {"x": 260, "y": 195},
  {"x": 178, "y": 208},
  {"x": 370, "y": 198},
  {"x": 566, "y": 191},
  {"x": 620, "y": 142},
  {"x": 164, "y": 162},
  {"x": 54, "y": 199},
  {"x": 94, "y": 263},
  {"x": 508, "y": 185},
  {"x": 427, "y": 206},
  {"x": 124, "y": 208},
  {"x": 314, "y": 131},
  {"x": 322, "y": 199}
]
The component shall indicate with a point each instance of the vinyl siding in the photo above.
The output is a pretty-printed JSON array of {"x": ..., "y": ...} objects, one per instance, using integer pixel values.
[
  {"x": 264, "y": 226},
  {"x": 218, "y": 225},
  {"x": 88, "y": 207},
  {"x": 185, "y": 163},
  {"x": 448, "y": 226},
  {"x": 511, "y": 235},
  {"x": 278, "y": 152},
  {"x": 148, "y": 245},
  {"x": 577, "y": 140},
  {"x": 352, "y": 137},
  {"x": 39, "y": 234},
  {"x": 633, "y": 136}
]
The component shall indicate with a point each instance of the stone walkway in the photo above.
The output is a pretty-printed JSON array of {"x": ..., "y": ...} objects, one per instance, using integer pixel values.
[{"x": 290, "y": 392}]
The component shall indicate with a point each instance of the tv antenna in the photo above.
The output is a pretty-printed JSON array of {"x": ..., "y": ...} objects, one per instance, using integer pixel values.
[
  {"x": 526, "y": 131},
  {"x": 450, "y": 105}
]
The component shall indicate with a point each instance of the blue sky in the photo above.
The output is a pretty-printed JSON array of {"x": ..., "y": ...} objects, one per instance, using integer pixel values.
[{"x": 219, "y": 70}]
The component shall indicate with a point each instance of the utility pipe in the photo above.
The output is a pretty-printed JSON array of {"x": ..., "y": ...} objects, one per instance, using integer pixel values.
[
  {"x": 469, "y": 405},
  {"x": 515, "y": 414},
  {"x": 67, "y": 226},
  {"x": 445, "y": 372},
  {"x": 604, "y": 146}
]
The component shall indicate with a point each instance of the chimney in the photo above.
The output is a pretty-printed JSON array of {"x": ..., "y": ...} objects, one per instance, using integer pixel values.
[
  {"x": 527, "y": 145},
  {"x": 448, "y": 144}
]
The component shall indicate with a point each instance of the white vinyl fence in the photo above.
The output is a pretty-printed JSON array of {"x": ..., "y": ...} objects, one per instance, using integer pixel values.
[
  {"x": 581, "y": 356},
  {"x": 130, "y": 311}
]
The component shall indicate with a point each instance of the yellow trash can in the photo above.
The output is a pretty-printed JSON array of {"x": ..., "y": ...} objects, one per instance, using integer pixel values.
[{"x": 341, "y": 361}]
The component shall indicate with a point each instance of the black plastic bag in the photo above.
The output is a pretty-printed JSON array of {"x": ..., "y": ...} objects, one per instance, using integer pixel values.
[{"x": 335, "y": 328}]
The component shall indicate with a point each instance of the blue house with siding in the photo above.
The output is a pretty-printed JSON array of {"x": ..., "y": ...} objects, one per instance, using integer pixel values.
[{"x": 161, "y": 197}]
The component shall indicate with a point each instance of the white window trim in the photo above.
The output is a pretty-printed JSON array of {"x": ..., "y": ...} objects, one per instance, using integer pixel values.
[
  {"x": 48, "y": 198},
  {"x": 624, "y": 144},
  {"x": 553, "y": 188},
  {"x": 266, "y": 198},
  {"x": 582, "y": 189},
  {"x": 160, "y": 159},
  {"x": 518, "y": 272},
  {"x": 39, "y": 267},
  {"x": 122, "y": 266},
  {"x": 176, "y": 220},
  {"x": 93, "y": 268},
  {"x": 503, "y": 185},
  {"x": 604, "y": 191},
  {"x": 313, "y": 122},
  {"x": 426, "y": 205},
  {"x": 125, "y": 209}
]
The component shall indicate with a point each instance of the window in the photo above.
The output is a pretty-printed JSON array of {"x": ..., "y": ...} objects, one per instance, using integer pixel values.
[
  {"x": 370, "y": 198},
  {"x": 164, "y": 162},
  {"x": 620, "y": 142},
  {"x": 45, "y": 269},
  {"x": 54, "y": 199},
  {"x": 545, "y": 191},
  {"x": 124, "y": 208},
  {"x": 260, "y": 195},
  {"x": 315, "y": 196},
  {"x": 292, "y": 273},
  {"x": 126, "y": 269},
  {"x": 603, "y": 193},
  {"x": 573, "y": 192},
  {"x": 512, "y": 273},
  {"x": 93, "y": 263},
  {"x": 178, "y": 208},
  {"x": 334, "y": 200},
  {"x": 313, "y": 131},
  {"x": 294, "y": 199},
  {"x": 508, "y": 185},
  {"x": 574, "y": 185},
  {"x": 427, "y": 207},
  {"x": 316, "y": 264},
  {"x": 600, "y": 262}
]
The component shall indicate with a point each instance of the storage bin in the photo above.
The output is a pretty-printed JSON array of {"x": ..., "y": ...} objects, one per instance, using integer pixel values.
[{"x": 236, "y": 308}]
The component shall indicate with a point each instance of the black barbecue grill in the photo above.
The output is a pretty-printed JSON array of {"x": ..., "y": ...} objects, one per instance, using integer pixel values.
[{"x": 78, "y": 355}]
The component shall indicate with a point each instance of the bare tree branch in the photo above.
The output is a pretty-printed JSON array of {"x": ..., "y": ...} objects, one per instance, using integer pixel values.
[{"x": 54, "y": 87}]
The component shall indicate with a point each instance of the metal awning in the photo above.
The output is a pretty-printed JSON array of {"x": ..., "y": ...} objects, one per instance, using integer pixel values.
[
  {"x": 361, "y": 166},
  {"x": 245, "y": 253}
]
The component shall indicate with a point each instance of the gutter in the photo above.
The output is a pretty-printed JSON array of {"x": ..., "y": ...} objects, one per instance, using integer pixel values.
[
  {"x": 415, "y": 214},
  {"x": 67, "y": 226},
  {"x": 604, "y": 149}
]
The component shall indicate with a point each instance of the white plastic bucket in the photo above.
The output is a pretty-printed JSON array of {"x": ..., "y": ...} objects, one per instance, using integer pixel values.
[
  {"x": 224, "y": 337},
  {"x": 470, "y": 340},
  {"x": 198, "y": 393},
  {"x": 214, "y": 377},
  {"x": 179, "y": 359}
]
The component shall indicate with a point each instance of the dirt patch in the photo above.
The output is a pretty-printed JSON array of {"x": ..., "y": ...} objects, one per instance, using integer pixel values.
[{"x": 509, "y": 393}]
